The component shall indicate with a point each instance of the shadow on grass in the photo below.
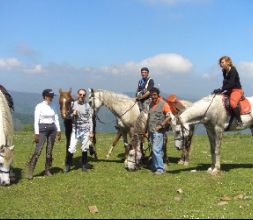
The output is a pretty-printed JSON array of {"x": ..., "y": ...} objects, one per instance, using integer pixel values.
[
  {"x": 17, "y": 175},
  {"x": 204, "y": 167},
  {"x": 53, "y": 170}
]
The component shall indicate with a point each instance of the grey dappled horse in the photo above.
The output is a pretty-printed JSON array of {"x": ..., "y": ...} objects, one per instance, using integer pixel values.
[{"x": 210, "y": 112}]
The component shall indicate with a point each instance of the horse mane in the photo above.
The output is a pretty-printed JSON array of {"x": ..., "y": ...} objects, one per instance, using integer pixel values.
[
  {"x": 114, "y": 95},
  {"x": 8, "y": 97},
  {"x": 6, "y": 124}
]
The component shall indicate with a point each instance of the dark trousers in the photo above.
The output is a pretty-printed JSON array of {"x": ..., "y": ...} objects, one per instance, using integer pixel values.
[{"x": 47, "y": 133}]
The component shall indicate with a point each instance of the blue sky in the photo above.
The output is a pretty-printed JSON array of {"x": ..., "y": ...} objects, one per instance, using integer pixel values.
[{"x": 104, "y": 43}]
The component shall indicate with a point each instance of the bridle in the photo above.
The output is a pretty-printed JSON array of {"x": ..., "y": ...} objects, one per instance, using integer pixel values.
[
  {"x": 2, "y": 169},
  {"x": 64, "y": 103}
]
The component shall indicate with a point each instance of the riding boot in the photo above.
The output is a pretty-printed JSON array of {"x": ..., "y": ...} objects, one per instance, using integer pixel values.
[
  {"x": 237, "y": 114},
  {"x": 31, "y": 165},
  {"x": 48, "y": 165},
  {"x": 84, "y": 161},
  {"x": 68, "y": 161}
]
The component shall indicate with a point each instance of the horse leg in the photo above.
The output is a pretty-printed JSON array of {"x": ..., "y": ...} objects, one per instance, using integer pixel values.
[
  {"x": 116, "y": 140},
  {"x": 215, "y": 136}
]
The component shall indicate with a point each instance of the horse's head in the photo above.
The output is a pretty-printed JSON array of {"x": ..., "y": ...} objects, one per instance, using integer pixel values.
[
  {"x": 6, "y": 157},
  {"x": 94, "y": 100},
  {"x": 134, "y": 155},
  {"x": 181, "y": 133},
  {"x": 65, "y": 100}
]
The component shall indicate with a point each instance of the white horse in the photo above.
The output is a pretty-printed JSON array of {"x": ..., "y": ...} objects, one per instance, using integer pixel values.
[
  {"x": 124, "y": 108},
  {"x": 6, "y": 139},
  {"x": 210, "y": 112}
]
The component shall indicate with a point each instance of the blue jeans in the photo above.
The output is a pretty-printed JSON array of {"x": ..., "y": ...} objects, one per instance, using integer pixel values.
[{"x": 157, "y": 151}]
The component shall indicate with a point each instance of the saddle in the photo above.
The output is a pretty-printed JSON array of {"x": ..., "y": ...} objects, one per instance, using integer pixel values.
[{"x": 245, "y": 107}]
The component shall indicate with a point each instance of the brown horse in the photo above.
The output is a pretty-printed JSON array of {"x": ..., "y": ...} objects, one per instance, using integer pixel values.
[{"x": 65, "y": 100}]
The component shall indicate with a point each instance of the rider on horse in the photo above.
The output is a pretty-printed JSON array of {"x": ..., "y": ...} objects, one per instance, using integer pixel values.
[{"x": 231, "y": 87}]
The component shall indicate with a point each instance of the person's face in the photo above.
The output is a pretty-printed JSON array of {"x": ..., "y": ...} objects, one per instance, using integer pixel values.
[
  {"x": 49, "y": 98},
  {"x": 81, "y": 95},
  {"x": 154, "y": 96},
  {"x": 144, "y": 74},
  {"x": 224, "y": 64}
]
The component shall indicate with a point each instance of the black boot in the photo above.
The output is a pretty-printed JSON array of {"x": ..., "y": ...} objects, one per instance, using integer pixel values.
[
  {"x": 68, "y": 162},
  {"x": 237, "y": 115},
  {"x": 48, "y": 165},
  {"x": 84, "y": 161},
  {"x": 31, "y": 166}
]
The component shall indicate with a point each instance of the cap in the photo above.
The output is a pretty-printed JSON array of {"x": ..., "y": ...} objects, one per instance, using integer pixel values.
[
  {"x": 145, "y": 69},
  {"x": 48, "y": 93},
  {"x": 172, "y": 98}
]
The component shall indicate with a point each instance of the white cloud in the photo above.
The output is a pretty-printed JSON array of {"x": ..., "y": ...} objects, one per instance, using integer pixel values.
[
  {"x": 245, "y": 68},
  {"x": 9, "y": 63},
  {"x": 162, "y": 64},
  {"x": 36, "y": 69},
  {"x": 168, "y": 64}
]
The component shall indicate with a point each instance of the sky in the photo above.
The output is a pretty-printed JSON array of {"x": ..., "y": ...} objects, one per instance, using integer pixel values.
[{"x": 103, "y": 44}]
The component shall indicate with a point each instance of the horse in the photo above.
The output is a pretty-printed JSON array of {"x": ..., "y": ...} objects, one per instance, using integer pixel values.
[
  {"x": 6, "y": 139},
  {"x": 211, "y": 112},
  {"x": 65, "y": 102},
  {"x": 135, "y": 153},
  {"x": 124, "y": 108},
  {"x": 126, "y": 111}
]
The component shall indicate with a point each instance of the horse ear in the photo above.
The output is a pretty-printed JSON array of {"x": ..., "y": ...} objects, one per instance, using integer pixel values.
[
  {"x": 60, "y": 90},
  {"x": 12, "y": 147},
  {"x": 70, "y": 90}
]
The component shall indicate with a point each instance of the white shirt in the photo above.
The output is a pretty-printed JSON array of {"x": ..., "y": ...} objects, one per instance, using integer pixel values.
[{"x": 45, "y": 114}]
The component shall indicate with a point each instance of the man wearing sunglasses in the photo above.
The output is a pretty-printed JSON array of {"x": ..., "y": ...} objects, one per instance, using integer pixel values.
[{"x": 82, "y": 129}]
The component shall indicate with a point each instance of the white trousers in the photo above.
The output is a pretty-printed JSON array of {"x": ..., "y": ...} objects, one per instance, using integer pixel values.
[{"x": 81, "y": 136}]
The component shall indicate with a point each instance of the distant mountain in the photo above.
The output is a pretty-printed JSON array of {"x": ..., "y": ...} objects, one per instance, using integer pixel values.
[
  {"x": 25, "y": 103},
  {"x": 24, "y": 109}
]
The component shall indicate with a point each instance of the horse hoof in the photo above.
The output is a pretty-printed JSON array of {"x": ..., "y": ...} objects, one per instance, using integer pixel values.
[
  {"x": 215, "y": 172},
  {"x": 186, "y": 163},
  {"x": 210, "y": 170},
  {"x": 180, "y": 162},
  {"x": 107, "y": 156}
]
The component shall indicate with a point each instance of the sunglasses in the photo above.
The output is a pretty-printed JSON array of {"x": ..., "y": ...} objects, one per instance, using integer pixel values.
[{"x": 82, "y": 94}]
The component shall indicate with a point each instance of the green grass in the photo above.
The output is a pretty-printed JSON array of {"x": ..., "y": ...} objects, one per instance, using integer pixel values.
[{"x": 118, "y": 193}]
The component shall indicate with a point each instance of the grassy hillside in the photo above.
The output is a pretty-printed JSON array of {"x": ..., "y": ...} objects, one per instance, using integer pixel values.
[{"x": 118, "y": 193}]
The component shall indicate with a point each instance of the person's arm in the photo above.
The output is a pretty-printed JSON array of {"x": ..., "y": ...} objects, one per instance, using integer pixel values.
[
  {"x": 36, "y": 119},
  {"x": 165, "y": 122}
]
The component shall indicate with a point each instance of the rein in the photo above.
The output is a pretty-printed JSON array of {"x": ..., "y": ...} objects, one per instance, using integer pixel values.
[{"x": 93, "y": 107}]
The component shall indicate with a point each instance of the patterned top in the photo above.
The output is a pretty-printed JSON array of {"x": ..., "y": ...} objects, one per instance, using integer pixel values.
[{"x": 83, "y": 119}]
